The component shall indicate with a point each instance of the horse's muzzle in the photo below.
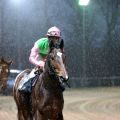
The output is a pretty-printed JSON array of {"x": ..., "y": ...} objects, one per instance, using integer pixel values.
[{"x": 63, "y": 79}]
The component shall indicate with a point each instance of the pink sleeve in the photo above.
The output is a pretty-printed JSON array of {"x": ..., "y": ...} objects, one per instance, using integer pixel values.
[{"x": 34, "y": 55}]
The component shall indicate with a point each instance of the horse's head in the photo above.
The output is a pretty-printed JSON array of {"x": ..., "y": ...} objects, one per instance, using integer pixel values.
[
  {"x": 56, "y": 63},
  {"x": 4, "y": 68}
]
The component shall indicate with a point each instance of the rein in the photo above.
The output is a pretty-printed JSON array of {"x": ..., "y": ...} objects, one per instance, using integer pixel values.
[{"x": 51, "y": 70}]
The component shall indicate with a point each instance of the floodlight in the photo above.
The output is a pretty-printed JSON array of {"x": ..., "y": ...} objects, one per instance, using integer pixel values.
[{"x": 84, "y": 2}]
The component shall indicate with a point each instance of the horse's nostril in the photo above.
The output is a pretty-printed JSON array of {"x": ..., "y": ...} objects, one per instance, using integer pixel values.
[{"x": 63, "y": 79}]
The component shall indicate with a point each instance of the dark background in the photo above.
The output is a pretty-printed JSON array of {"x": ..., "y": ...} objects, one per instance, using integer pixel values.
[{"x": 91, "y": 61}]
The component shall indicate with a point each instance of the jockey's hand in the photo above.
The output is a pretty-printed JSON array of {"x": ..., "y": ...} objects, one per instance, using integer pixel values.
[{"x": 41, "y": 64}]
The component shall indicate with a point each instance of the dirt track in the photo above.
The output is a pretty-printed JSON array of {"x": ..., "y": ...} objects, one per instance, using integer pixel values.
[{"x": 82, "y": 104}]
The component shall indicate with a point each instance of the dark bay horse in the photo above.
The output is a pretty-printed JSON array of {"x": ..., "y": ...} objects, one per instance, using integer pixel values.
[
  {"x": 47, "y": 97},
  {"x": 4, "y": 73}
]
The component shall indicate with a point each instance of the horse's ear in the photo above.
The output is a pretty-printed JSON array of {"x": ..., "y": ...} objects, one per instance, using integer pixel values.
[
  {"x": 61, "y": 44},
  {"x": 51, "y": 44},
  {"x": 2, "y": 59},
  {"x": 10, "y": 62}
]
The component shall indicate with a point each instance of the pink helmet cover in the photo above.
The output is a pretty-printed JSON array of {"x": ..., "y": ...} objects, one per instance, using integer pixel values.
[{"x": 54, "y": 31}]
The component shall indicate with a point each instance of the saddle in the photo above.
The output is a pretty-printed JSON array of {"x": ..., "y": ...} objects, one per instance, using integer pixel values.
[{"x": 29, "y": 80}]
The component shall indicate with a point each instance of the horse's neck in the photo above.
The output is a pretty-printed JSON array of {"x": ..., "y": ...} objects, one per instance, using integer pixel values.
[{"x": 50, "y": 81}]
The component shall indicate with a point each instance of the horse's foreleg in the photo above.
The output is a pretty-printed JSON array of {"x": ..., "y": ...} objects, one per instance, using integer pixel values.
[{"x": 60, "y": 116}]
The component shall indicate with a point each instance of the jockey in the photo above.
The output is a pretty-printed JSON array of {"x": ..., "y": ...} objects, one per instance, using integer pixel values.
[
  {"x": 41, "y": 47},
  {"x": 39, "y": 53}
]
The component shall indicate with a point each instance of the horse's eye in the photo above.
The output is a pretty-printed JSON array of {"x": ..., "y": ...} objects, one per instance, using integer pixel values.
[{"x": 52, "y": 58}]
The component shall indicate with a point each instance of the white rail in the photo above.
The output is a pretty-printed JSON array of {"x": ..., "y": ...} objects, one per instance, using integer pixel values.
[{"x": 15, "y": 71}]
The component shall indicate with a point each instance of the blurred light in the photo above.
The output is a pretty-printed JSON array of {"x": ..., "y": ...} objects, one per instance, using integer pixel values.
[
  {"x": 84, "y": 2},
  {"x": 16, "y": 2},
  {"x": 15, "y": 71}
]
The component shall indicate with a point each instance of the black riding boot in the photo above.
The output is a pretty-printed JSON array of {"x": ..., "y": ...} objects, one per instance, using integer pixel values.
[{"x": 27, "y": 86}]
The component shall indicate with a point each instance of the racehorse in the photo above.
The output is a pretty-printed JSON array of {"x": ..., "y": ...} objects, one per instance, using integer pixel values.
[
  {"x": 46, "y": 101},
  {"x": 4, "y": 73}
]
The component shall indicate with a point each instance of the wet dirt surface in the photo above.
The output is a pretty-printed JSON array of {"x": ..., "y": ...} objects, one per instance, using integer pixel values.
[{"x": 82, "y": 104}]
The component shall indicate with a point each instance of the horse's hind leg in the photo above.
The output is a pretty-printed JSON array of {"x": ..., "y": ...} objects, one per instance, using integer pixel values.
[
  {"x": 39, "y": 116},
  {"x": 19, "y": 115},
  {"x": 24, "y": 114},
  {"x": 27, "y": 115}
]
